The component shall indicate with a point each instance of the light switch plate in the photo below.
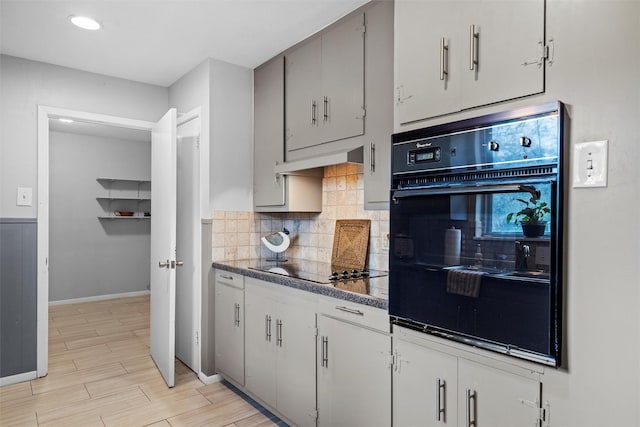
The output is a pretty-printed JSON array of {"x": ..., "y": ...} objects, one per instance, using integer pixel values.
[
  {"x": 24, "y": 196},
  {"x": 590, "y": 164}
]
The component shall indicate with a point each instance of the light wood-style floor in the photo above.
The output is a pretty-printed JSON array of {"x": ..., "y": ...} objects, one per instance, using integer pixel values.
[{"x": 101, "y": 374}]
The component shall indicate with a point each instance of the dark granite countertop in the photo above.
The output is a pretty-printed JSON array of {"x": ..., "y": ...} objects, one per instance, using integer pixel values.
[{"x": 377, "y": 293}]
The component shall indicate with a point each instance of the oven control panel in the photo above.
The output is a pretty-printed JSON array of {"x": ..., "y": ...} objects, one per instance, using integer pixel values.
[{"x": 424, "y": 155}]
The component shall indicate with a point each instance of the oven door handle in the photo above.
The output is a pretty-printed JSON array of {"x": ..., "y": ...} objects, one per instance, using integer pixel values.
[{"x": 499, "y": 188}]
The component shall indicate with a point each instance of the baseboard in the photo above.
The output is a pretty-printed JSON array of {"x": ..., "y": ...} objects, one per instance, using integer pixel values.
[
  {"x": 215, "y": 378},
  {"x": 99, "y": 298},
  {"x": 18, "y": 378}
]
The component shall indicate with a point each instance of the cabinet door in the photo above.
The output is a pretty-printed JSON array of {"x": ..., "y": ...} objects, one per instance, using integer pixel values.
[
  {"x": 424, "y": 386},
  {"x": 296, "y": 348},
  {"x": 503, "y": 48},
  {"x": 260, "y": 355},
  {"x": 495, "y": 398},
  {"x": 425, "y": 85},
  {"x": 354, "y": 375},
  {"x": 342, "y": 103},
  {"x": 268, "y": 133},
  {"x": 450, "y": 56},
  {"x": 303, "y": 97},
  {"x": 229, "y": 331},
  {"x": 379, "y": 98}
]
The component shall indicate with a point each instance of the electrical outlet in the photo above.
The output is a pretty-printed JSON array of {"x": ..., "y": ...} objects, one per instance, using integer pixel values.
[
  {"x": 590, "y": 164},
  {"x": 24, "y": 196}
]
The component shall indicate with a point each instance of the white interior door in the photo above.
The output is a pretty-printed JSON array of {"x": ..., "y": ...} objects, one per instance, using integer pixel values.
[
  {"x": 163, "y": 244},
  {"x": 188, "y": 245}
]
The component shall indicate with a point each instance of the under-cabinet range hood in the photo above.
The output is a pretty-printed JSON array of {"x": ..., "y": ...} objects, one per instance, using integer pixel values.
[{"x": 351, "y": 155}]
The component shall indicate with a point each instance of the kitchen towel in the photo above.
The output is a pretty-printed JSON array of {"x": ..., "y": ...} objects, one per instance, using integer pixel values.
[
  {"x": 452, "y": 239},
  {"x": 464, "y": 282}
]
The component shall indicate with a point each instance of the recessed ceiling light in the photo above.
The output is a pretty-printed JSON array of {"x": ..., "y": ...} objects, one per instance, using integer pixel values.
[
  {"x": 63, "y": 120},
  {"x": 85, "y": 22}
]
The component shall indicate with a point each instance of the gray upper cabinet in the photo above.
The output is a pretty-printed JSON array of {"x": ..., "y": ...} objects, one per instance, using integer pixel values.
[
  {"x": 302, "y": 96},
  {"x": 324, "y": 87},
  {"x": 273, "y": 192},
  {"x": 268, "y": 86},
  {"x": 454, "y": 56},
  {"x": 379, "y": 104},
  {"x": 331, "y": 92}
]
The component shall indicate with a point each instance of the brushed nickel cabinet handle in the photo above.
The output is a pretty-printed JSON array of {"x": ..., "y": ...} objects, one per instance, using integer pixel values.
[
  {"x": 267, "y": 328},
  {"x": 444, "y": 59},
  {"x": 279, "y": 333},
  {"x": 314, "y": 108},
  {"x": 473, "y": 47},
  {"x": 326, "y": 109},
  {"x": 471, "y": 408},
  {"x": 325, "y": 352},
  {"x": 237, "y": 314},
  {"x": 349, "y": 310},
  {"x": 372, "y": 155},
  {"x": 440, "y": 401}
]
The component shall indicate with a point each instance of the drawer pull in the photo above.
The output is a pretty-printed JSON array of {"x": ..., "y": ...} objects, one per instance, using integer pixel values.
[
  {"x": 224, "y": 276},
  {"x": 350, "y": 310}
]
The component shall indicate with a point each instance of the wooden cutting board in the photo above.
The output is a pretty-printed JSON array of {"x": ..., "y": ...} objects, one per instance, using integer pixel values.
[{"x": 350, "y": 244}]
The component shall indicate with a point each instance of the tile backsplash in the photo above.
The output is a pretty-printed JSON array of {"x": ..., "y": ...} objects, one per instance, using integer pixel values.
[{"x": 236, "y": 235}]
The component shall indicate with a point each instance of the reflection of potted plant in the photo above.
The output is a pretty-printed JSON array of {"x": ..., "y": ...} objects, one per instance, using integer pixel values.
[{"x": 531, "y": 216}]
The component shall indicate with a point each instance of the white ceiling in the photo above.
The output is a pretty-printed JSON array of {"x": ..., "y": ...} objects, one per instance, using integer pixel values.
[{"x": 158, "y": 41}]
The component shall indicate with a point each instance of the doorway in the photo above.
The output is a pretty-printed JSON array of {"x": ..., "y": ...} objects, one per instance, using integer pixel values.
[{"x": 188, "y": 311}]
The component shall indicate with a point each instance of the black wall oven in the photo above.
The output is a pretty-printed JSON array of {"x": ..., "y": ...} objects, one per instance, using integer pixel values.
[{"x": 465, "y": 263}]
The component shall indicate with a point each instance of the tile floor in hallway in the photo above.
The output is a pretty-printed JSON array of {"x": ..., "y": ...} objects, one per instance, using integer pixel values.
[{"x": 101, "y": 374}]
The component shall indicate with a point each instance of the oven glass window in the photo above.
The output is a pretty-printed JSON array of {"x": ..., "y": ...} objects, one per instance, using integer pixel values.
[{"x": 497, "y": 207}]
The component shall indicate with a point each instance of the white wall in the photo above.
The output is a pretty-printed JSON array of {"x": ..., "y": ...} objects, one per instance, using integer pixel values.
[
  {"x": 24, "y": 84},
  {"x": 596, "y": 72},
  {"x": 232, "y": 137},
  {"x": 91, "y": 257},
  {"x": 186, "y": 94},
  {"x": 225, "y": 93}
]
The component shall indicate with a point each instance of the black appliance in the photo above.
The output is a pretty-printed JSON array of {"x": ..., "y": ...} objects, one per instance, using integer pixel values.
[
  {"x": 324, "y": 273},
  {"x": 457, "y": 268}
]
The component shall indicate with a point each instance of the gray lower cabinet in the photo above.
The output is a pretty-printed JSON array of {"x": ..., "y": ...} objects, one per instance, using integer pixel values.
[
  {"x": 229, "y": 325},
  {"x": 353, "y": 370},
  {"x": 451, "y": 56},
  {"x": 424, "y": 386},
  {"x": 433, "y": 387},
  {"x": 280, "y": 350}
]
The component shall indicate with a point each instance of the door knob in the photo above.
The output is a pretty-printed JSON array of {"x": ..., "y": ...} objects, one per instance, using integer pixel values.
[{"x": 164, "y": 264}]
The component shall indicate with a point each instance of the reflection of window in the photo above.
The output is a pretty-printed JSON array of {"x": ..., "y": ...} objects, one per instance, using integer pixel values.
[
  {"x": 543, "y": 133},
  {"x": 496, "y": 207}
]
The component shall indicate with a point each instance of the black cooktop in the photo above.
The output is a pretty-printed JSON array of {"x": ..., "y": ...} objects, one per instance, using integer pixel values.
[{"x": 319, "y": 272}]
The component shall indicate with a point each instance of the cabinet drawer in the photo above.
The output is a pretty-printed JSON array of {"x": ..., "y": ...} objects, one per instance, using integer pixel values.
[
  {"x": 229, "y": 278},
  {"x": 370, "y": 317}
]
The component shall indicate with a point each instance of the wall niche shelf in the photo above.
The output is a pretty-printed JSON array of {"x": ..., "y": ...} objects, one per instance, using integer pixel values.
[{"x": 125, "y": 195}]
